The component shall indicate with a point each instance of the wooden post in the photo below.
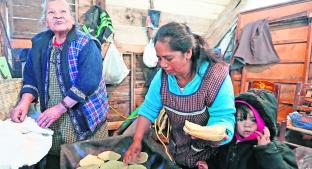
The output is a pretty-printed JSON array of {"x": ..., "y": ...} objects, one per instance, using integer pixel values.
[
  {"x": 132, "y": 85},
  {"x": 308, "y": 51}
]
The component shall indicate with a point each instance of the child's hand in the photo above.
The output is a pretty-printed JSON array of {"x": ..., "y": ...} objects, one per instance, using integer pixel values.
[
  {"x": 263, "y": 139},
  {"x": 202, "y": 165}
]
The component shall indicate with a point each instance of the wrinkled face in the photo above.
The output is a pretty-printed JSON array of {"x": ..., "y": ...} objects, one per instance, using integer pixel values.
[
  {"x": 246, "y": 125},
  {"x": 58, "y": 17},
  {"x": 173, "y": 62}
]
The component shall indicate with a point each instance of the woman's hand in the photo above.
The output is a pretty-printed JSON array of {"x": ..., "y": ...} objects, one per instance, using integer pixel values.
[
  {"x": 202, "y": 165},
  {"x": 263, "y": 139},
  {"x": 19, "y": 113},
  {"x": 133, "y": 152},
  {"x": 50, "y": 115}
]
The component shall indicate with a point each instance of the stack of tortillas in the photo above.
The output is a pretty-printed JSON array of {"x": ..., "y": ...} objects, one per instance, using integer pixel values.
[{"x": 109, "y": 160}]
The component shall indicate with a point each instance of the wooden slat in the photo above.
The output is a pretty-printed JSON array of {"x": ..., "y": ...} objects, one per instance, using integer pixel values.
[
  {"x": 21, "y": 43},
  {"x": 27, "y": 11},
  {"x": 132, "y": 35},
  {"x": 27, "y": 2},
  {"x": 121, "y": 15},
  {"x": 271, "y": 12},
  {"x": 26, "y": 27},
  {"x": 291, "y": 53},
  {"x": 124, "y": 47},
  {"x": 277, "y": 72},
  {"x": 290, "y": 35},
  {"x": 114, "y": 125}
]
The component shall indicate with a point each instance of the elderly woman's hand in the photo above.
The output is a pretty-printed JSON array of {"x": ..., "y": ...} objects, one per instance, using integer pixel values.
[
  {"x": 18, "y": 113},
  {"x": 50, "y": 115}
]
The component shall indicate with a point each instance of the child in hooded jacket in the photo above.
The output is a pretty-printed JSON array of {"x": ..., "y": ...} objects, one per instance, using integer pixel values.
[{"x": 255, "y": 145}]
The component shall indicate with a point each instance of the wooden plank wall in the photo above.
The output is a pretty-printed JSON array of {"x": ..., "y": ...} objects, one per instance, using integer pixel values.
[
  {"x": 293, "y": 45},
  {"x": 119, "y": 96},
  {"x": 128, "y": 18}
]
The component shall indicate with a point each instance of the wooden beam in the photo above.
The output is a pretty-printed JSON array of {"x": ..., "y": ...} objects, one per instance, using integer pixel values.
[
  {"x": 308, "y": 52},
  {"x": 21, "y": 43},
  {"x": 114, "y": 125}
]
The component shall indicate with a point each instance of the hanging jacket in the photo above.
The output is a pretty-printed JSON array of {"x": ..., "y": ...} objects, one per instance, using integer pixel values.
[
  {"x": 255, "y": 46},
  {"x": 249, "y": 155}
]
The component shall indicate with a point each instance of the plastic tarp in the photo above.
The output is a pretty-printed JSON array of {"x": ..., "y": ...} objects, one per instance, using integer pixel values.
[{"x": 71, "y": 154}]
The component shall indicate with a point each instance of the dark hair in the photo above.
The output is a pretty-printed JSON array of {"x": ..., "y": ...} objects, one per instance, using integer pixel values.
[
  {"x": 180, "y": 38},
  {"x": 243, "y": 109}
]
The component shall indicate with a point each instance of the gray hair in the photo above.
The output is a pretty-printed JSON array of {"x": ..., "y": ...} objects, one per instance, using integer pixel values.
[{"x": 44, "y": 8}]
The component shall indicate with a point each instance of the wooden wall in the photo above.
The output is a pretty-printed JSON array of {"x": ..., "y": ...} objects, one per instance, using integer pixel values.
[
  {"x": 128, "y": 95},
  {"x": 293, "y": 45}
]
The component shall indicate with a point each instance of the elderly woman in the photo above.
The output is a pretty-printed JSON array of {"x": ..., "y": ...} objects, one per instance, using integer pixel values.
[
  {"x": 64, "y": 71},
  {"x": 191, "y": 85}
]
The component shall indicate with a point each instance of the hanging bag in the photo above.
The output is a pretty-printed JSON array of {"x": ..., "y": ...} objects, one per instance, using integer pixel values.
[
  {"x": 149, "y": 56},
  {"x": 114, "y": 67}
]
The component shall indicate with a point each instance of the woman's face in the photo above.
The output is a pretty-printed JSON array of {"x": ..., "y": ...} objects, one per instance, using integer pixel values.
[
  {"x": 58, "y": 17},
  {"x": 173, "y": 62},
  {"x": 246, "y": 125}
]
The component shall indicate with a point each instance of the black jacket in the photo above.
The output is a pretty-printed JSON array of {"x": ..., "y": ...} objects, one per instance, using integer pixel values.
[{"x": 249, "y": 155}]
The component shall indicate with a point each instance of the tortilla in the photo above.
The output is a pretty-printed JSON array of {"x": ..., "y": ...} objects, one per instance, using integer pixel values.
[
  {"x": 109, "y": 155},
  {"x": 143, "y": 158},
  {"x": 136, "y": 166},
  {"x": 90, "y": 160},
  {"x": 113, "y": 164},
  {"x": 89, "y": 167}
]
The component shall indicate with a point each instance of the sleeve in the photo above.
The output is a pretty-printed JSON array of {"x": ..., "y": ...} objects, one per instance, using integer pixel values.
[
  {"x": 222, "y": 110},
  {"x": 89, "y": 72},
  {"x": 152, "y": 104},
  {"x": 29, "y": 81},
  {"x": 275, "y": 155}
]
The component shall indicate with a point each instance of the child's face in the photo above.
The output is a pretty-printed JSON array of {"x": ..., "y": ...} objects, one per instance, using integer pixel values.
[{"x": 246, "y": 125}]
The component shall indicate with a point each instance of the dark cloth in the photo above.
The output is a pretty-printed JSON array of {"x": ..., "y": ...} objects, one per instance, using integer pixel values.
[
  {"x": 71, "y": 154},
  {"x": 255, "y": 46},
  {"x": 249, "y": 155},
  {"x": 187, "y": 151}
]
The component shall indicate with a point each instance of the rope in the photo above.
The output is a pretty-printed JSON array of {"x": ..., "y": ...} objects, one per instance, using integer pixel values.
[
  {"x": 122, "y": 115},
  {"x": 166, "y": 149}
]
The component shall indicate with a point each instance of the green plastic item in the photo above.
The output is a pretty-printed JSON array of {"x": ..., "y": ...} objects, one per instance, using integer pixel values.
[
  {"x": 4, "y": 69},
  {"x": 128, "y": 121}
]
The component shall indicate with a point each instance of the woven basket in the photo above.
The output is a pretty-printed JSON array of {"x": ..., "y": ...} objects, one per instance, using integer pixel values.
[{"x": 9, "y": 90}]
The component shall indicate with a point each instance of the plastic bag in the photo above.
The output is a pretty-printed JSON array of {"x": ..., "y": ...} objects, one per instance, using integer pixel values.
[
  {"x": 149, "y": 56},
  {"x": 114, "y": 67},
  {"x": 303, "y": 157}
]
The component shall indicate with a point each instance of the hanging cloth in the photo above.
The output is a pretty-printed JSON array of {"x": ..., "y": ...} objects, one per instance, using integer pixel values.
[{"x": 255, "y": 46}]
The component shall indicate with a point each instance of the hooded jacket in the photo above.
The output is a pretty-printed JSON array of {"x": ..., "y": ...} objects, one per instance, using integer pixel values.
[{"x": 249, "y": 155}]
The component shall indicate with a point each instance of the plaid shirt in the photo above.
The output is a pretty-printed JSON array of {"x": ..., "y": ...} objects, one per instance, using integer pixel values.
[{"x": 96, "y": 106}]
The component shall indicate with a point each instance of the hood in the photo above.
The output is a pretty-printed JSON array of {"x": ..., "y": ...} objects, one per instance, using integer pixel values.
[{"x": 266, "y": 104}]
